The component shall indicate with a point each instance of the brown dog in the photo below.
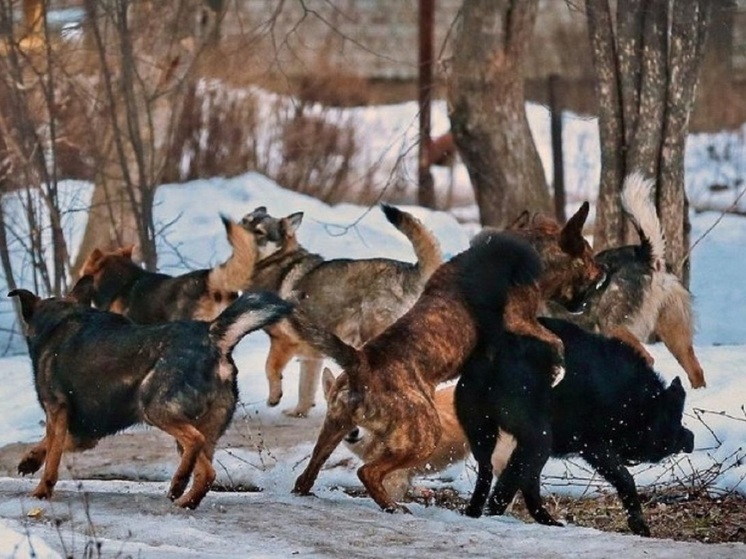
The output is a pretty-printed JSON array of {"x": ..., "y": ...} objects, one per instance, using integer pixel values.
[
  {"x": 122, "y": 286},
  {"x": 570, "y": 274},
  {"x": 388, "y": 385},
  {"x": 641, "y": 296},
  {"x": 354, "y": 298},
  {"x": 452, "y": 447},
  {"x": 97, "y": 373}
]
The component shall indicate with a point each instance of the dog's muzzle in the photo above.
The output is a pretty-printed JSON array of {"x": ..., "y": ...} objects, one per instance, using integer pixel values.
[{"x": 353, "y": 436}]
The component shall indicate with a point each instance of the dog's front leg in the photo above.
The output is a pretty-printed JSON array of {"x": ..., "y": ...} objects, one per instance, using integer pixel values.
[
  {"x": 282, "y": 348},
  {"x": 519, "y": 317},
  {"x": 332, "y": 433},
  {"x": 55, "y": 445},
  {"x": 611, "y": 467}
]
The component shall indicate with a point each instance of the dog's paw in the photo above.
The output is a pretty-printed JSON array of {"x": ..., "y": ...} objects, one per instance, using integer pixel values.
[
  {"x": 29, "y": 465},
  {"x": 473, "y": 511},
  {"x": 42, "y": 491},
  {"x": 396, "y": 508},
  {"x": 296, "y": 412},
  {"x": 274, "y": 398}
]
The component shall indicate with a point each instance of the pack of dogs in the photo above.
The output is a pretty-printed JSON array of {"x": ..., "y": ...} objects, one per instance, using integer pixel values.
[{"x": 524, "y": 346}]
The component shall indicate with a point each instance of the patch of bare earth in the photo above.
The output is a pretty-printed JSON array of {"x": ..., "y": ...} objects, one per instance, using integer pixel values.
[{"x": 670, "y": 513}]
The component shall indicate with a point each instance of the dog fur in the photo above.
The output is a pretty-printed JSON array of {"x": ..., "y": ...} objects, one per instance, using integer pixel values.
[
  {"x": 612, "y": 409},
  {"x": 97, "y": 373},
  {"x": 570, "y": 274},
  {"x": 355, "y": 299},
  {"x": 121, "y": 286},
  {"x": 451, "y": 449},
  {"x": 388, "y": 385},
  {"x": 642, "y": 297}
]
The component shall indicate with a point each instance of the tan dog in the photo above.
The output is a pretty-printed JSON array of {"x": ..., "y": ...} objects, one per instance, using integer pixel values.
[
  {"x": 122, "y": 286},
  {"x": 642, "y": 296},
  {"x": 452, "y": 447},
  {"x": 388, "y": 385},
  {"x": 354, "y": 298}
]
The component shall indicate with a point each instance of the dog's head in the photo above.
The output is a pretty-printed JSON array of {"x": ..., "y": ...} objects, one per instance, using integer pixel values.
[
  {"x": 109, "y": 271},
  {"x": 570, "y": 269},
  {"x": 272, "y": 234},
  {"x": 665, "y": 435}
]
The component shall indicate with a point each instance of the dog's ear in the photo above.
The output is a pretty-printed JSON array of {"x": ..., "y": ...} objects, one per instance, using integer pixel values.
[
  {"x": 28, "y": 300},
  {"x": 327, "y": 381},
  {"x": 83, "y": 290},
  {"x": 127, "y": 251},
  {"x": 291, "y": 223},
  {"x": 93, "y": 258},
  {"x": 521, "y": 222},
  {"x": 571, "y": 236}
]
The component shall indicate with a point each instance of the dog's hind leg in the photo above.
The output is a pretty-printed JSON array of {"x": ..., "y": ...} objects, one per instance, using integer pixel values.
[
  {"x": 192, "y": 443},
  {"x": 332, "y": 432},
  {"x": 204, "y": 475},
  {"x": 481, "y": 432},
  {"x": 625, "y": 336},
  {"x": 308, "y": 384},
  {"x": 482, "y": 449},
  {"x": 674, "y": 328},
  {"x": 55, "y": 445},
  {"x": 524, "y": 472}
]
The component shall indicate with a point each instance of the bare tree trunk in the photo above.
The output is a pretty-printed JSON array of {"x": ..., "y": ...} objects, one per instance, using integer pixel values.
[
  {"x": 426, "y": 188},
  {"x": 488, "y": 116},
  {"x": 647, "y": 69},
  {"x": 689, "y": 24}
]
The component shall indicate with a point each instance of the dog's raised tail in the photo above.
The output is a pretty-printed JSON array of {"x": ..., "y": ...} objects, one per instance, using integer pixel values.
[
  {"x": 638, "y": 204},
  {"x": 235, "y": 273},
  {"x": 425, "y": 244},
  {"x": 251, "y": 311}
]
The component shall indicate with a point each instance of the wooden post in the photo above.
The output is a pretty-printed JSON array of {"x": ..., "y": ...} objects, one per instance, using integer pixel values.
[
  {"x": 555, "y": 111},
  {"x": 425, "y": 185}
]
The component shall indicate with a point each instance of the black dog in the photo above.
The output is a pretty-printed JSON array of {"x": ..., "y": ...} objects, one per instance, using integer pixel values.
[
  {"x": 97, "y": 373},
  {"x": 612, "y": 409}
]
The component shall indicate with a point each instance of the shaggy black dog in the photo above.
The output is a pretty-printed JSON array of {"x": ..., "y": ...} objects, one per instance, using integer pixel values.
[{"x": 612, "y": 409}]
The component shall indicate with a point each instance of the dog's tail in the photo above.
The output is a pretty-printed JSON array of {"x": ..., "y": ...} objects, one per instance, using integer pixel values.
[
  {"x": 326, "y": 342},
  {"x": 425, "y": 244},
  {"x": 235, "y": 273},
  {"x": 250, "y": 312},
  {"x": 639, "y": 207}
]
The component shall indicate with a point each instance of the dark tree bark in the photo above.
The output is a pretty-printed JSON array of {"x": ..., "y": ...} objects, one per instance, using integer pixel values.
[
  {"x": 647, "y": 60},
  {"x": 488, "y": 117}
]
